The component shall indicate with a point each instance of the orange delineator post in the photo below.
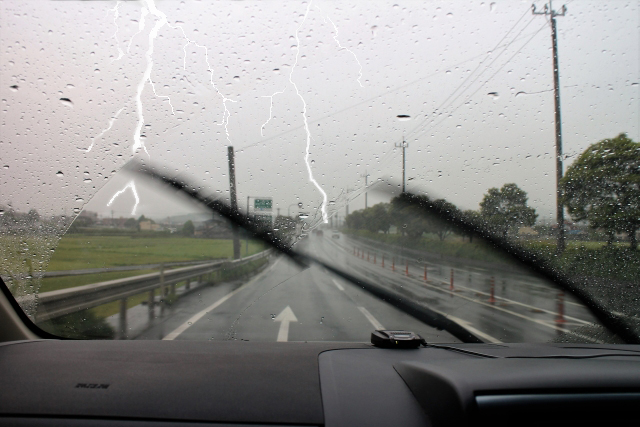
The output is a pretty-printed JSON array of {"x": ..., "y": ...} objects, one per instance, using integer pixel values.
[
  {"x": 362, "y": 253},
  {"x": 354, "y": 250},
  {"x": 393, "y": 264},
  {"x": 406, "y": 271},
  {"x": 367, "y": 255},
  {"x": 425, "y": 272},
  {"x": 492, "y": 296},
  {"x": 374, "y": 259},
  {"x": 560, "y": 317},
  {"x": 451, "y": 285},
  {"x": 382, "y": 261}
]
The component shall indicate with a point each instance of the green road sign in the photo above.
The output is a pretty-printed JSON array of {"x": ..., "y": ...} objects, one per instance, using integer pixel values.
[{"x": 263, "y": 204}]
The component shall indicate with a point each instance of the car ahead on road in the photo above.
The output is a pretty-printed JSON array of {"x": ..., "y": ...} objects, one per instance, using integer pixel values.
[{"x": 467, "y": 310}]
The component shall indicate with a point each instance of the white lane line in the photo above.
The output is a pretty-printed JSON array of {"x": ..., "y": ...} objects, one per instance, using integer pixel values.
[
  {"x": 377, "y": 325},
  {"x": 338, "y": 285},
  {"x": 575, "y": 319},
  {"x": 193, "y": 319},
  {"x": 513, "y": 313},
  {"x": 467, "y": 326}
]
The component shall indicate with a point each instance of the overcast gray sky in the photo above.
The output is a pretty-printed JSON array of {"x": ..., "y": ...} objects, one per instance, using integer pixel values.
[{"x": 475, "y": 77}]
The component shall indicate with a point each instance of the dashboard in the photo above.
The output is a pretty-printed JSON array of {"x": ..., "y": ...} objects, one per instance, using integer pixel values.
[{"x": 179, "y": 383}]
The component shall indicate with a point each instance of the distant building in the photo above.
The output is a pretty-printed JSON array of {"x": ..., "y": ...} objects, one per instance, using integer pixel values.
[
  {"x": 148, "y": 225},
  {"x": 93, "y": 216},
  {"x": 527, "y": 231},
  {"x": 113, "y": 222},
  {"x": 216, "y": 228}
]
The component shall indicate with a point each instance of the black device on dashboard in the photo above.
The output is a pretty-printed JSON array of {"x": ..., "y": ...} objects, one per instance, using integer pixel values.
[{"x": 396, "y": 339}]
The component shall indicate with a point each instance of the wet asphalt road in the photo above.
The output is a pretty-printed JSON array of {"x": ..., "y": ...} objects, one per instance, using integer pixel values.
[{"x": 285, "y": 303}]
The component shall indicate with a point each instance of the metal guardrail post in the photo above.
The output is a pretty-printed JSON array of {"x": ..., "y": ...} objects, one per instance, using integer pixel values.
[
  {"x": 65, "y": 301},
  {"x": 151, "y": 302},
  {"x": 123, "y": 319},
  {"x": 162, "y": 295},
  {"x": 187, "y": 286}
]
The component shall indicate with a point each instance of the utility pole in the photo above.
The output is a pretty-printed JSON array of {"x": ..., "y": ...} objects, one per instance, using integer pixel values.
[
  {"x": 365, "y": 175},
  {"x": 404, "y": 146},
  {"x": 548, "y": 10},
  {"x": 234, "y": 201}
]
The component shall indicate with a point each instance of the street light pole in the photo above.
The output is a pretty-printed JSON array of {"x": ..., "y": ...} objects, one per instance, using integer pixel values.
[
  {"x": 404, "y": 146},
  {"x": 234, "y": 201},
  {"x": 246, "y": 241},
  {"x": 366, "y": 176}
]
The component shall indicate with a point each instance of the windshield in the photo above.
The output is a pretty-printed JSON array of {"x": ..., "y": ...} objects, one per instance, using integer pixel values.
[{"x": 312, "y": 118}]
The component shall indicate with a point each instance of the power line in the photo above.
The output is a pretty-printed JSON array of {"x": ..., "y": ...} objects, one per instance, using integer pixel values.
[
  {"x": 449, "y": 103},
  {"x": 370, "y": 99},
  {"x": 492, "y": 76}
]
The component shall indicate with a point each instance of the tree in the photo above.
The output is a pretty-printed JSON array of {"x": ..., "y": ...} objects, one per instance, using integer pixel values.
[
  {"x": 33, "y": 216},
  {"x": 473, "y": 217},
  {"x": 505, "y": 208},
  {"x": 188, "y": 229},
  {"x": 603, "y": 187},
  {"x": 376, "y": 218},
  {"x": 355, "y": 220},
  {"x": 443, "y": 228},
  {"x": 285, "y": 228},
  {"x": 411, "y": 219}
]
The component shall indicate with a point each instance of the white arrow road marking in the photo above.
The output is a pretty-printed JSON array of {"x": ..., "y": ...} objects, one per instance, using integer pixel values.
[
  {"x": 285, "y": 317},
  {"x": 180, "y": 329},
  {"x": 377, "y": 325}
]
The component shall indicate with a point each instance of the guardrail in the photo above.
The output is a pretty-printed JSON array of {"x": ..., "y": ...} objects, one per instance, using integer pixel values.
[
  {"x": 64, "y": 273},
  {"x": 66, "y": 301}
]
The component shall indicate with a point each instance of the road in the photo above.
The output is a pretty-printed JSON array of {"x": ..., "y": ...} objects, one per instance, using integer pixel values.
[{"x": 287, "y": 303}]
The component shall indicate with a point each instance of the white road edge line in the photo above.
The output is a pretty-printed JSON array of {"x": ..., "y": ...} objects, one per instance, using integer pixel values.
[
  {"x": 377, "y": 325},
  {"x": 584, "y": 322},
  {"x": 467, "y": 326},
  {"x": 338, "y": 285},
  {"x": 193, "y": 319}
]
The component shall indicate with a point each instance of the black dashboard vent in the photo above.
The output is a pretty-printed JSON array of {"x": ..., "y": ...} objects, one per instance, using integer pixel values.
[{"x": 558, "y": 409}]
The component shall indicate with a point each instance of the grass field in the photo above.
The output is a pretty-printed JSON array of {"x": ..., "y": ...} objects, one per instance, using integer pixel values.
[{"x": 80, "y": 252}]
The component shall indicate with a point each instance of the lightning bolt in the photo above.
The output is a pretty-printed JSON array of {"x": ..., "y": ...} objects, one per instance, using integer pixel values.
[
  {"x": 113, "y": 119},
  {"x": 335, "y": 37},
  {"x": 141, "y": 24},
  {"x": 270, "y": 109},
  {"x": 226, "y": 114},
  {"x": 323, "y": 206},
  {"x": 132, "y": 186},
  {"x": 116, "y": 14}
]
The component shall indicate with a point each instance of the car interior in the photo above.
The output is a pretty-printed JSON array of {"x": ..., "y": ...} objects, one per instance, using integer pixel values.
[{"x": 368, "y": 121}]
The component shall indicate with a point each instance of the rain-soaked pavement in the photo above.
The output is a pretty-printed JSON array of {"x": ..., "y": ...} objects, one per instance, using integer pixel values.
[{"x": 286, "y": 303}]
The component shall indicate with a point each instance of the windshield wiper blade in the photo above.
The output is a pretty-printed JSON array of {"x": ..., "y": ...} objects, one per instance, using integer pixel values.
[
  {"x": 543, "y": 268},
  {"x": 418, "y": 311}
]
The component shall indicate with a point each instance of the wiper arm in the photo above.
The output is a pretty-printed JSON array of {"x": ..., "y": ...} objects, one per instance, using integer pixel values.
[
  {"x": 543, "y": 268},
  {"x": 420, "y": 312}
]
